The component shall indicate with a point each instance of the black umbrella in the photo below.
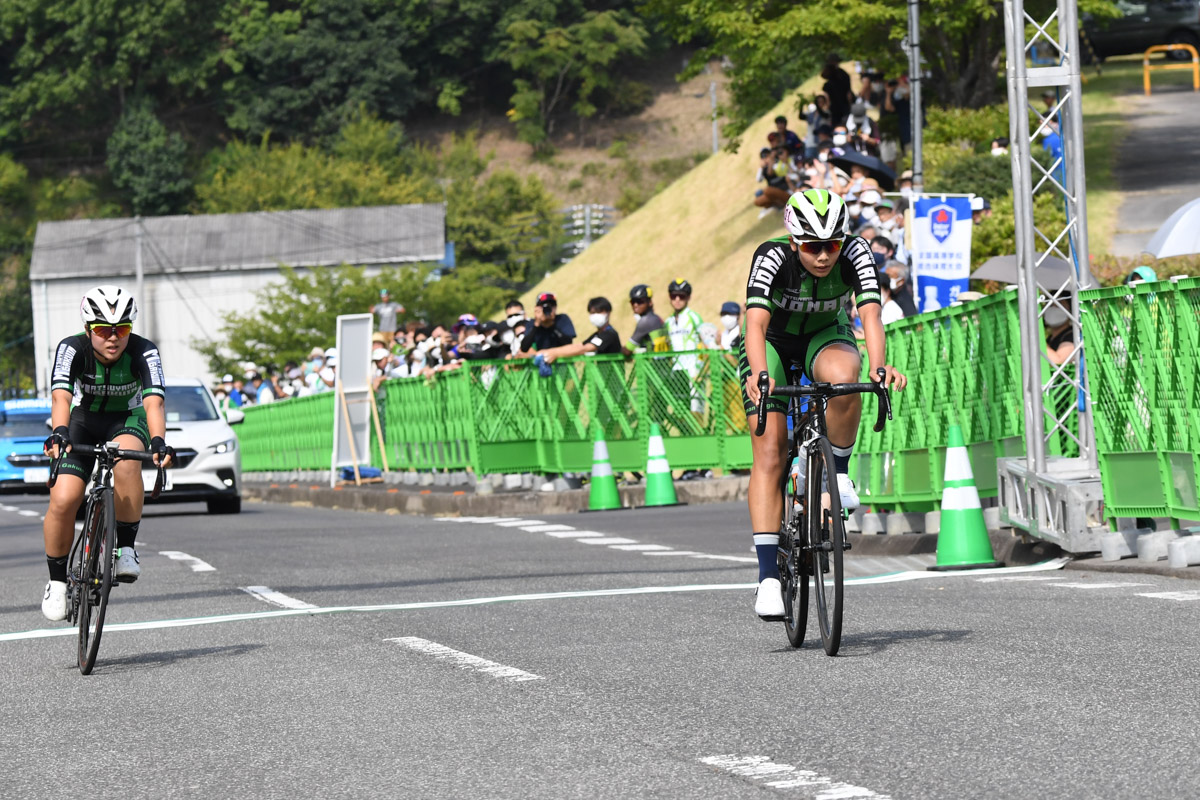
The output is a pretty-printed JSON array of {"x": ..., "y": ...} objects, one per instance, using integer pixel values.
[
  {"x": 877, "y": 169},
  {"x": 1053, "y": 272}
]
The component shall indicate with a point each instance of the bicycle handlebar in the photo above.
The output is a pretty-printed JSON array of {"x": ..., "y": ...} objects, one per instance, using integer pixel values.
[
  {"x": 824, "y": 390},
  {"x": 145, "y": 456}
]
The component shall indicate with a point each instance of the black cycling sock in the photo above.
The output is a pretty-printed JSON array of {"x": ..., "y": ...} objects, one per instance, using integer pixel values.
[
  {"x": 766, "y": 545},
  {"x": 127, "y": 533},
  {"x": 58, "y": 568},
  {"x": 841, "y": 458}
]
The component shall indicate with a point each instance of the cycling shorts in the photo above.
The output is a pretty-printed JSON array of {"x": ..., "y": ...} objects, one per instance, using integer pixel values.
[
  {"x": 798, "y": 353},
  {"x": 89, "y": 429}
]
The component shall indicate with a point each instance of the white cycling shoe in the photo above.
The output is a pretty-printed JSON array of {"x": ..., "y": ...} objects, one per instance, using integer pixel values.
[
  {"x": 847, "y": 491},
  {"x": 127, "y": 569},
  {"x": 54, "y": 602},
  {"x": 768, "y": 603}
]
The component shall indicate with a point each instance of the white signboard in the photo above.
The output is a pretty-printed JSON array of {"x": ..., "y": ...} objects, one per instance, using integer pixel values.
[{"x": 352, "y": 404}]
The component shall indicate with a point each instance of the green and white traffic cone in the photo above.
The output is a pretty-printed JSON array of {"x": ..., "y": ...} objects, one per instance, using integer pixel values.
[
  {"x": 963, "y": 541},
  {"x": 603, "y": 495},
  {"x": 660, "y": 488}
]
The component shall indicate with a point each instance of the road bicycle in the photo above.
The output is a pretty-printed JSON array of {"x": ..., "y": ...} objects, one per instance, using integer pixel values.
[
  {"x": 90, "y": 566},
  {"x": 812, "y": 533}
]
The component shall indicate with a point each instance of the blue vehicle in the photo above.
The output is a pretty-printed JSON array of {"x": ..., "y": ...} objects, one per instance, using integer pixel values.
[{"x": 23, "y": 430}]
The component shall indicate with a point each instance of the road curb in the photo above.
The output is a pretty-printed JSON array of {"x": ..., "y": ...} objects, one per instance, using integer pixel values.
[{"x": 1134, "y": 566}]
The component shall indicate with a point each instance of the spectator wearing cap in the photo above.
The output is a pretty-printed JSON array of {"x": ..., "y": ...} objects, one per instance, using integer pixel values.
[
  {"x": 1139, "y": 275},
  {"x": 314, "y": 362},
  {"x": 649, "y": 333},
  {"x": 863, "y": 134},
  {"x": 788, "y": 139},
  {"x": 325, "y": 379},
  {"x": 1000, "y": 146},
  {"x": 232, "y": 392},
  {"x": 864, "y": 206},
  {"x": 263, "y": 391},
  {"x": 605, "y": 341},
  {"x": 386, "y": 310},
  {"x": 730, "y": 327},
  {"x": 549, "y": 329},
  {"x": 981, "y": 209},
  {"x": 381, "y": 361},
  {"x": 886, "y": 218},
  {"x": 904, "y": 184}
]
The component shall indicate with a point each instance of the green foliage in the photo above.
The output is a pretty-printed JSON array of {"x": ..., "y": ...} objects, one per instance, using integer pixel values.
[
  {"x": 618, "y": 149},
  {"x": 72, "y": 197},
  {"x": 996, "y": 235},
  {"x": 976, "y": 127},
  {"x": 592, "y": 169},
  {"x": 147, "y": 163},
  {"x": 16, "y": 201},
  {"x": 627, "y": 97},
  {"x": 557, "y": 64}
]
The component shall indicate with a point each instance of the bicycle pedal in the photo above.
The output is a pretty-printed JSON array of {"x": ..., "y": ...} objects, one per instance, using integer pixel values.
[{"x": 846, "y": 545}]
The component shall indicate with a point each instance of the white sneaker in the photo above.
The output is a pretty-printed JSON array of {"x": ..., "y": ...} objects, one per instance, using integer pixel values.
[
  {"x": 769, "y": 602},
  {"x": 54, "y": 602},
  {"x": 847, "y": 491},
  {"x": 128, "y": 569}
]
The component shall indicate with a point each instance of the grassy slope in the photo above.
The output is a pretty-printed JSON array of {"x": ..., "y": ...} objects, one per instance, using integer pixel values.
[{"x": 704, "y": 227}]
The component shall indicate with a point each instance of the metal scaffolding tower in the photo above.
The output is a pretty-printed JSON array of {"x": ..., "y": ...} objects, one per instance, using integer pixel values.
[{"x": 1055, "y": 497}]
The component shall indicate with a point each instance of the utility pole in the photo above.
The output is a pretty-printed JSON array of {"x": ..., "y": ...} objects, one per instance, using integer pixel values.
[
  {"x": 914, "y": 80},
  {"x": 143, "y": 305}
]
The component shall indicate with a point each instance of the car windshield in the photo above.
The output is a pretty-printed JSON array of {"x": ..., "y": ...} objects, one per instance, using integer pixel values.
[
  {"x": 189, "y": 404},
  {"x": 24, "y": 425}
]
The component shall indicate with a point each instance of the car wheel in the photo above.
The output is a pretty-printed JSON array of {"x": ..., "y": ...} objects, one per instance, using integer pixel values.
[
  {"x": 1182, "y": 37},
  {"x": 225, "y": 505}
]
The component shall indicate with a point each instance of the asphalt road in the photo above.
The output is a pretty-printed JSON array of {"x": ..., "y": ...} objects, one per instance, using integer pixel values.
[{"x": 555, "y": 681}]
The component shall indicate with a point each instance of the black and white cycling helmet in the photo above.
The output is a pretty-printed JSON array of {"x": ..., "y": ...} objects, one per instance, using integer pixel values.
[
  {"x": 107, "y": 305},
  {"x": 679, "y": 286},
  {"x": 816, "y": 215}
]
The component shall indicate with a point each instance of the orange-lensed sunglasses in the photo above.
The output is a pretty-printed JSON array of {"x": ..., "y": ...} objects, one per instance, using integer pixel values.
[
  {"x": 106, "y": 331},
  {"x": 834, "y": 246}
]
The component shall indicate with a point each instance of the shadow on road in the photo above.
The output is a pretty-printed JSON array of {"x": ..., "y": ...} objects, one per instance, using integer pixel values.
[
  {"x": 166, "y": 658},
  {"x": 868, "y": 644}
]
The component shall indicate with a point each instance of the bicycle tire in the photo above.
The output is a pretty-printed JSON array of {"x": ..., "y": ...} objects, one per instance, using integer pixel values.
[
  {"x": 102, "y": 540},
  {"x": 793, "y": 569},
  {"x": 826, "y": 538}
]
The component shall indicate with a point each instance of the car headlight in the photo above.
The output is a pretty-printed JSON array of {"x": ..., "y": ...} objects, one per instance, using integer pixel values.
[{"x": 227, "y": 446}]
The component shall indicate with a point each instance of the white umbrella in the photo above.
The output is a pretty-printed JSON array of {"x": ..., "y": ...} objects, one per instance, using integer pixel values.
[{"x": 1179, "y": 235}]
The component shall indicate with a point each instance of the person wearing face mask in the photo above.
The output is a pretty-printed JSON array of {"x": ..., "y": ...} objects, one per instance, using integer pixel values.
[
  {"x": 904, "y": 184},
  {"x": 885, "y": 215},
  {"x": 1000, "y": 146},
  {"x": 1060, "y": 333},
  {"x": 891, "y": 310},
  {"x": 604, "y": 342},
  {"x": 730, "y": 327},
  {"x": 841, "y": 137},
  {"x": 649, "y": 334},
  {"x": 898, "y": 284}
]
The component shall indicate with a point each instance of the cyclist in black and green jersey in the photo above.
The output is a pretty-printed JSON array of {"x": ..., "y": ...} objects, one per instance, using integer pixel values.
[
  {"x": 795, "y": 320},
  {"x": 106, "y": 385}
]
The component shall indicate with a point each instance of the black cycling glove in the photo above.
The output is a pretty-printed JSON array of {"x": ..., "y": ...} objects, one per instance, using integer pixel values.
[
  {"x": 158, "y": 446},
  {"x": 61, "y": 437}
]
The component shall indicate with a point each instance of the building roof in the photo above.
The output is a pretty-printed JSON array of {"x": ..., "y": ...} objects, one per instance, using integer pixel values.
[{"x": 104, "y": 248}]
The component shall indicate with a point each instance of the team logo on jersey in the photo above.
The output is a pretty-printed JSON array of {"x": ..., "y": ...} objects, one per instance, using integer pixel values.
[
  {"x": 62, "y": 364},
  {"x": 154, "y": 362},
  {"x": 941, "y": 222}
]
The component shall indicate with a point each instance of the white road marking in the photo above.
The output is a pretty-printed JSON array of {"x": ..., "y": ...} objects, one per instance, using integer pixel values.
[
  {"x": 608, "y": 540},
  {"x": 742, "y": 559},
  {"x": 8, "y": 508},
  {"x": 477, "y": 601},
  {"x": 490, "y": 520},
  {"x": 572, "y": 534},
  {"x": 1098, "y": 585},
  {"x": 639, "y": 547},
  {"x": 546, "y": 528},
  {"x": 269, "y": 595},
  {"x": 465, "y": 660},
  {"x": 784, "y": 776},
  {"x": 196, "y": 564},
  {"x": 25, "y": 512},
  {"x": 1179, "y": 596},
  {"x": 674, "y": 553},
  {"x": 516, "y": 523},
  {"x": 1018, "y": 578}
]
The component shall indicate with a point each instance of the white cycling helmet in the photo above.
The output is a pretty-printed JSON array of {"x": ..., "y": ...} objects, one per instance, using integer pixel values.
[
  {"x": 107, "y": 305},
  {"x": 816, "y": 215}
]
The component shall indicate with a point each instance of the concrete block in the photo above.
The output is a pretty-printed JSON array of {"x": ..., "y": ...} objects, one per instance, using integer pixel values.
[
  {"x": 1183, "y": 552},
  {"x": 566, "y": 484},
  {"x": 425, "y": 479},
  {"x": 392, "y": 478},
  {"x": 459, "y": 479},
  {"x": 484, "y": 486},
  {"x": 513, "y": 481},
  {"x": 1122, "y": 544},
  {"x": 410, "y": 478},
  {"x": 933, "y": 522},
  {"x": 441, "y": 479},
  {"x": 1153, "y": 546},
  {"x": 902, "y": 522},
  {"x": 548, "y": 486},
  {"x": 874, "y": 523},
  {"x": 527, "y": 480},
  {"x": 497, "y": 480},
  {"x": 854, "y": 521},
  {"x": 991, "y": 519}
]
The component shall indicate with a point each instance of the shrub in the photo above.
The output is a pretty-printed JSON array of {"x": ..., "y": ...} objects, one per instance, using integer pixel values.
[
  {"x": 975, "y": 126},
  {"x": 147, "y": 163},
  {"x": 627, "y": 97}
]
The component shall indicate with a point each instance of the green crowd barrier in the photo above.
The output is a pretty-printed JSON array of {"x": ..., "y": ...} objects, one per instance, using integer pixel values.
[
  {"x": 1146, "y": 396},
  {"x": 963, "y": 365}
]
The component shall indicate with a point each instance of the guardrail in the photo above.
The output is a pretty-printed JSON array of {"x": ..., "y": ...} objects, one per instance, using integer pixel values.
[
  {"x": 964, "y": 367},
  {"x": 1166, "y": 48}
]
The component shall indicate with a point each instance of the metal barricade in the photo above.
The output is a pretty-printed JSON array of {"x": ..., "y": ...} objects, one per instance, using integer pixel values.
[{"x": 1166, "y": 48}]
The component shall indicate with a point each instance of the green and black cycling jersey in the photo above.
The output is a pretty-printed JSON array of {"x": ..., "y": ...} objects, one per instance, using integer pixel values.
[
  {"x": 801, "y": 303},
  {"x": 107, "y": 388}
]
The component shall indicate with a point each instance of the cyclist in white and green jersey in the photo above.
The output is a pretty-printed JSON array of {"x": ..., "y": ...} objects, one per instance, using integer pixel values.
[{"x": 795, "y": 321}]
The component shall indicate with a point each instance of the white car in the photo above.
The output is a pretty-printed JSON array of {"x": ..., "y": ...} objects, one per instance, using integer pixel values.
[{"x": 208, "y": 462}]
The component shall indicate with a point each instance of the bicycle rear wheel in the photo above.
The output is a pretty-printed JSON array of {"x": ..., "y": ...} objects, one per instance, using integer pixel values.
[
  {"x": 99, "y": 531},
  {"x": 826, "y": 540},
  {"x": 793, "y": 570}
]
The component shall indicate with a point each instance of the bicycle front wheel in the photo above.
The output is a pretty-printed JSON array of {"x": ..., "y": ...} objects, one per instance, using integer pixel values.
[
  {"x": 826, "y": 541},
  {"x": 99, "y": 531},
  {"x": 793, "y": 569}
]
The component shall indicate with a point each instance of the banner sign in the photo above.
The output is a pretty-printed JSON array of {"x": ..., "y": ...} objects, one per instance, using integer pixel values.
[
  {"x": 941, "y": 253},
  {"x": 351, "y": 408}
]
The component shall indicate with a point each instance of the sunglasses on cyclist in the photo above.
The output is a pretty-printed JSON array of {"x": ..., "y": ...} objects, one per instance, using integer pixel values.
[
  {"x": 678, "y": 296},
  {"x": 106, "y": 331},
  {"x": 834, "y": 246}
]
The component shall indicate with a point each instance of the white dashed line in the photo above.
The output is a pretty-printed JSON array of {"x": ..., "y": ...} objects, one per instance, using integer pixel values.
[
  {"x": 1097, "y": 585},
  {"x": 572, "y": 534},
  {"x": 465, "y": 660},
  {"x": 742, "y": 559},
  {"x": 196, "y": 564},
  {"x": 27, "y": 513},
  {"x": 766, "y": 772},
  {"x": 608, "y": 540},
  {"x": 516, "y": 523},
  {"x": 1181, "y": 597},
  {"x": 674, "y": 553},
  {"x": 639, "y": 547},
  {"x": 546, "y": 528},
  {"x": 269, "y": 595},
  {"x": 994, "y": 579}
]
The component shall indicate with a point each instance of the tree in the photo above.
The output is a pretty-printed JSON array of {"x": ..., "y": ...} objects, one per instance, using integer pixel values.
[
  {"x": 147, "y": 163},
  {"x": 556, "y": 64}
]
